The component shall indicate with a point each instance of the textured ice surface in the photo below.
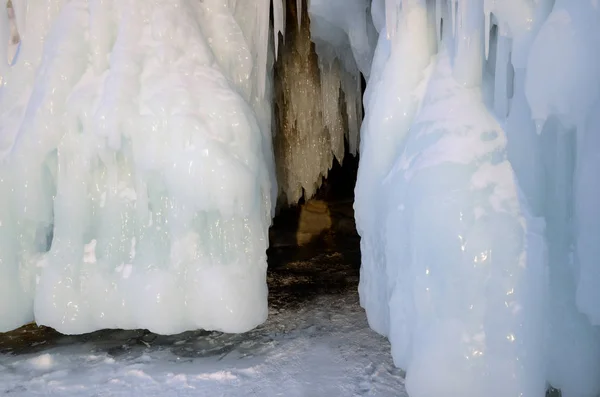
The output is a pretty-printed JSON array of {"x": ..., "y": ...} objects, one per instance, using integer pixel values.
[
  {"x": 475, "y": 198},
  {"x": 138, "y": 174},
  {"x": 318, "y": 90}
]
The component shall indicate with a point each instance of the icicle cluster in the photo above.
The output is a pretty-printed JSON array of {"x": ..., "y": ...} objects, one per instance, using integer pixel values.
[
  {"x": 137, "y": 177},
  {"x": 318, "y": 99},
  {"x": 344, "y": 39},
  {"x": 477, "y": 195}
]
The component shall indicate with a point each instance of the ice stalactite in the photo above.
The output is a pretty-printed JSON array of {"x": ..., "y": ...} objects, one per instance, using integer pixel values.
[
  {"x": 565, "y": 53},
  {"x": 137, "y": 170},
  {"x": 318, "y": 95},
  {"x": 390, "y": 104},
  {"x": 345, "y": 38},
  {"x": 483, "y": 274}
]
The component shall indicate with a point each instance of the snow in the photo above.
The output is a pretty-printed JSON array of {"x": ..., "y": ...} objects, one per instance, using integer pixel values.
[
  {"x": 476, "y": 232},
  {"x": 148, "y": 167}
]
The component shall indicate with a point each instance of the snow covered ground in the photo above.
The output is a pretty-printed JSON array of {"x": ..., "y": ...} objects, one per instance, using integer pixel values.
[{"x": 316, "y": 342}]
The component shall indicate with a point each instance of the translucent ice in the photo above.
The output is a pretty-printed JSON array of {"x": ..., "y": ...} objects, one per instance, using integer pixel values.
[
  {"x": 318, "y": 94},
  {"x": 137, "y": 136},
  {"x": 478, "y": 234},
  {"x": 392, "y": 98}
]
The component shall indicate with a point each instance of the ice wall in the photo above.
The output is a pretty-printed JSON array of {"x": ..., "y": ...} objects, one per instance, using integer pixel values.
[
  {"x": 137, "y": 175},
  {"x": 476, "y": 200},
  {"x": 318, "y": 98}
]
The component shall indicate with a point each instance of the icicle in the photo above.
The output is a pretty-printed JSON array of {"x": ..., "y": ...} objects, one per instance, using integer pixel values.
[
  {"x": 501, "y": 77},
  {"x": 487, "y": 15},
  {"x": 20, "y": 7},
  {"x": 4, "y": 37},
  {"x": 438, "y": 20},
  {"x": 278, "y": 23},
  {"x": 284, "y": 17},
  {"x": 262, "y": 15},
  {"x": 539, "y": 125},
  {"x": 453, "y": 14},
  {"x": 299, "y": 12},
  {"x": 352, "y": 93},
  {"x": 99, "y": 35},
  {"x": 391, "y": 12},
  {"x": 332, "y": 117}
]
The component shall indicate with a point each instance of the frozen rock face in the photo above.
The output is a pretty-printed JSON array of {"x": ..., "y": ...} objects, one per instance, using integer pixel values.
[
  {"x": 477, "y": 232},
  {"x": 137, "y": 175}
]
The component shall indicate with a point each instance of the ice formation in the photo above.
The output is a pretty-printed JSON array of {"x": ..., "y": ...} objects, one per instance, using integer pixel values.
[
  {"x": 137, "y": 175},
  {"x": 14, "y": 39},
  {"x": 476, "y": 197},
  {"x": 318, "y": 98}
]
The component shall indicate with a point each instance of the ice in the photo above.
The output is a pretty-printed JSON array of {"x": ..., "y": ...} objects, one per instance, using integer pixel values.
[
  {"x": 319, "y": 95},
  {"x": 6, "y": 36},
  {"x": 478, "y": 236},
  {"x": 390, "y": 104},
  {"x": 137, "y": 178},
  {"x": 20, "y": 11},
  {"x": 346, "y": 26},
  {"x": 391, "y": 17},
  {"x": 299, "y": 11},
  {"x": 587, "y": 218},
  {"x": 278, "y": 22},
  {"x": 302, "y": 145},
  {"x": 565, "y": 52}
]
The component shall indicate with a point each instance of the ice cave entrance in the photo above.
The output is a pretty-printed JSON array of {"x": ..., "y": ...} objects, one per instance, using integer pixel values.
[
  {"x": 317, "y": 109},
  {"x": 314, "y": 247}
]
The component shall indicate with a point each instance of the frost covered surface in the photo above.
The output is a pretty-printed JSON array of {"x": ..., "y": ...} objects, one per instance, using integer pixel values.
[
  {"x": 311, "y": 351},
  {"x": 315, "y": 342},
  {"x": 475, "y": 198},
  {"x": 137, "y": 175}
]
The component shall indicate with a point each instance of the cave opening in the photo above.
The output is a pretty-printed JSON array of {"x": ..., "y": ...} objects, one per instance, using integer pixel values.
[{"x": 314, "y": 248}]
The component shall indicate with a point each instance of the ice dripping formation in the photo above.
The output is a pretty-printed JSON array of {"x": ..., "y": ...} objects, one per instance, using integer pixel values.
[
  {"x": 137, "y": 183},
  {"x": 475, "y": 198},
  {"x": 318, "y": 97},
  {"x": 138, "y": 175}
]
